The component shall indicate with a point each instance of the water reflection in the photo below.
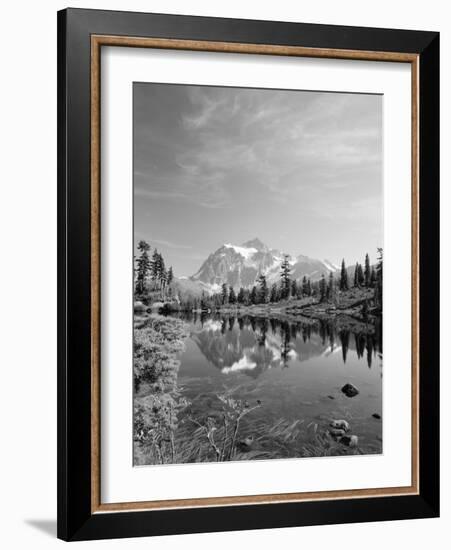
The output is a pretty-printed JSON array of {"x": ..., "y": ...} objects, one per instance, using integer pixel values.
[{"x": 251, "y": 345}]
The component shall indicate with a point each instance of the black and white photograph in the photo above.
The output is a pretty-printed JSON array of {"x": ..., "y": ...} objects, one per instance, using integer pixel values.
[{"x": 258, "y": 250}]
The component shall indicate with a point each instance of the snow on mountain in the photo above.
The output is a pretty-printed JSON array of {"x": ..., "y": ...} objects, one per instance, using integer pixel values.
[
  {"x": 241, "y": 265},
  {"x": 244, "y": 251},
  {"x": 330, "y": 266}
]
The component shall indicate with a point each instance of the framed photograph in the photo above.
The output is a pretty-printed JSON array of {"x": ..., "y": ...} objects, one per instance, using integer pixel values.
[{"x": 248, "y": 274}]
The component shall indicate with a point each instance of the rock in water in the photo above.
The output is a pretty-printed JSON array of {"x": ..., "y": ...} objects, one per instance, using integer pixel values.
[
  {"x": 377, "y": 416},
  {"x": 336, "y": 433},
  {"x": 350, "y": 441},
  {"x": 349, "y": 390},
  {"x": 340, "y": 425}
]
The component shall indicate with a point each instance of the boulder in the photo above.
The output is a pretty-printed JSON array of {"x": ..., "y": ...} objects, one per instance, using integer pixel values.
[
  {"x": 350, "y": 440},
  {"x": 336, "y": 433},
  {"x": 139, "y": 306},
  {"x": 349, "y": 390},
  {"x": 377, "y": 416},
  {"x": 340, "y": 425}
]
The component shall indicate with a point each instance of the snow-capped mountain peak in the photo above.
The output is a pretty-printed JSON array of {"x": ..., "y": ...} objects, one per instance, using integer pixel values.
[
  {"x": 255, "y": 243},
  {"x": 241, "y": 265},
  {"x": 244, "y": 251}
]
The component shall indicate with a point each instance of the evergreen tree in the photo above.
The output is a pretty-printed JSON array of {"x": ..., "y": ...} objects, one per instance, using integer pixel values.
[
  {"x": 273, "y": 298},
  {"x": 224, "y": 294},
  {"x": 203, "y": 302},
  {"x": 170, "y": 277},
  {"x": 356, "y": 275},
  {"x": 305, "y": 289},
  {"x": 331, "y": 287},
  {"x": 285, "y": 272},
  {"x": 367, "y": 271},
  {"x": 378, "y": 286},
  {"x": 263, "y": 291},
  {"x": 322, "y": 288},
  {"x": 161, "y": 271},
  {"x": 294, "y": 288},
  {"x": 232, "y": 296},
  {"x": 373, "y": 278},
  {"x": 155, "y": 266},
  {"x": 253, "y": 297},
  {"x": 143, "y": 267},
  {"x": 241, "y": 296},
  {"x": 309, "y": 288},
  {"x": 169, "y": 280},
  {"x": 344, "y": 285},
  {"x": 162, "y": 275}
]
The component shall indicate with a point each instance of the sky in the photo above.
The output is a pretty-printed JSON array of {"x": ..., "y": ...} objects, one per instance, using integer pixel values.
[{"x": 300, "y": 170}]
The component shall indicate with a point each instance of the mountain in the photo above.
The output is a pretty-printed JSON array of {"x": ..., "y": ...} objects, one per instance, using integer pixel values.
[{"x": 241, "y": 265}]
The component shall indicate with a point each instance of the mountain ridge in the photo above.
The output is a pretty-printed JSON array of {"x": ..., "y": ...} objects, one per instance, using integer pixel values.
[{"x": 241, "y": 265}]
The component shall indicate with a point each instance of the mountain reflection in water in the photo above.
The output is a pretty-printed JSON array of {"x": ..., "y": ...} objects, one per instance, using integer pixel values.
[{"x": 252, "y": 345}]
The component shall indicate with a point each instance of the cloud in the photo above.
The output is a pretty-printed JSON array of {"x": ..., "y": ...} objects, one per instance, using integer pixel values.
[{"x": 227, "y": 143}]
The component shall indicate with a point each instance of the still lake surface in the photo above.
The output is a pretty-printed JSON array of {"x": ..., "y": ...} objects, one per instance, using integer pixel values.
[{"x": 296, "y": 370}]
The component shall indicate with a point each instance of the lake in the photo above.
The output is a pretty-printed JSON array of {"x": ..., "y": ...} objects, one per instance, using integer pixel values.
[{"x": 295, "y": 372}]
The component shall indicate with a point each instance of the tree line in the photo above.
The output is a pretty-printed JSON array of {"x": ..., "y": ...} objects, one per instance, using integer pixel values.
[
  {"x": 151, "y": 275},
  {"x": 324, "y": 290}
]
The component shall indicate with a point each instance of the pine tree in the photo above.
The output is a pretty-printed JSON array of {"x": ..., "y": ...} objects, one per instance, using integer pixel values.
[
  {"x": 285, "y": 272},
  {"x": 203, "y": 302},
  {"x": 143, "y": 267},
  {"x": 294, "y": 288},
  {"x": 253, "y": 298},
  {"x": 224, "y": 294},
  {"x": 331, "y": 287},
  {"x": 162, "y": 275},
  {"x": 309, "y": 288},
  {"x": 367, "y": 271},
  {"x": 232, "y": 296},
  {"x": 322, "y": 288},
  {"x": 263, "y": 290},
  {"x": 155, "y": 266},
  {"x": 356, "y": 275},
  {"x": 379, "y": 286},
  {"x": 241, "y": 296},
  {"x": 305, "y": 289},
  {"x": 373, "y": 278},
  {"x": 273, "y": 298},
  {"x": 344, "y": 285},
  {"x": 170, "y": 277},
  {"x": 361, "y": 276}
]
